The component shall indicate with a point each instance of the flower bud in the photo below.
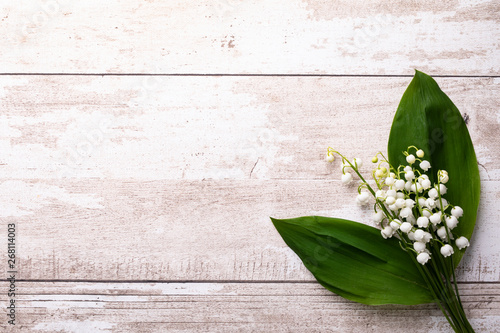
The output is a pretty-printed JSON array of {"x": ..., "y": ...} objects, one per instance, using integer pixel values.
[
  {"x": 410, "y": 159},
  {"x": 405, "y": 227},
  {"x": 330, "y": 157},
  {"x": 443, "y": 176},
  {"x": 462, "y": 242},
  {"x": 420, "y": 153},
  {"x": 375, "y": 159},
  {"x": 425, "y": 165},
  {"x": 419, "y": 246},
  {"x": 446, "y": 250},
  {"x": 457, "y": 212},
  {"x": 423, "y": 222},
  {"x": 357, "y": 162},
  {"x": 423, "y": 258},
  {"x": 346, "y": 178}
]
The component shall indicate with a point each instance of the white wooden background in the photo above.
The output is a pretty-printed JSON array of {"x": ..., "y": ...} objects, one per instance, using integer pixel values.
[{"x": 144, "y": 144}]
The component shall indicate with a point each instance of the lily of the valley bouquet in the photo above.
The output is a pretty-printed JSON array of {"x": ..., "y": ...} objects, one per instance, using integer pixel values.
[{"x": 425, "y": 196}]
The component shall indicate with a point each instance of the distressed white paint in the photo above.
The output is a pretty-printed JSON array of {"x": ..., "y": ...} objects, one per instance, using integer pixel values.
[{"x": 278, "y": 36}]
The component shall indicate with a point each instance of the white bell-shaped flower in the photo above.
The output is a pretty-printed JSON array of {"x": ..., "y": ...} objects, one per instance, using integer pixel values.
[
  {"x": 457, "y": 212},
  {"x": 426, "y": 184},
  {"x": 435, "y": 218},
  {"x": 406, "y": 227},
  {"x": 409, "y": 175},
  {"x": 462, "y": 242},
  {"x": 405, "y": 212},
  {"x": 410, "y": 159},
  {"x": 446, "y": 250},
  {"x": 427, "y": 237},
  {"x": 420, "y": 153},
  {"x": 441, "y": 232},
  {"x": 451, "y": 222},
  {"x": 390, "y": 200},
  {"x": 387, "y": 232},
  {"x": 423, "y": 258},
  {"x": 390, "y": 181},
  {"x": 433, "y": 193},
  {"x": 409, "y": 203},
  {"x": 362, "y": 198},
  {"x": 357, "y": 162},
  {"x": 426, "y": 213},
  {"x": 378, "y": 217},
  {"x": 419, "y": 235},
  {"x": 419, "y": 246},
  {"x": 423, "y": 222},
  {"x": 430, "y": 203},
  {"x": 400, "y": 202},
  {"x": 346, "y": 178},
  {"x": 395, "y": 224},
  {"x": 425, "y": 165},
  {"x": 399, "y": 184}
]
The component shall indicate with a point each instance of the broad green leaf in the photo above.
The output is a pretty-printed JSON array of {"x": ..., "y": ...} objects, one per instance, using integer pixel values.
[
  {"x": 428, "y": 119},
  {"x": 354, "y": 261}
]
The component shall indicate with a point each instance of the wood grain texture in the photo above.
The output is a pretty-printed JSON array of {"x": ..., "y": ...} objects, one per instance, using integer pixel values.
[
  {"x": 234, "y": 36},
  {"x": 199, "y": 230},
  {"x": 187, "y": 170},
  {"x": 195, "y": 128},
  {"x": 231, "y": 307}
]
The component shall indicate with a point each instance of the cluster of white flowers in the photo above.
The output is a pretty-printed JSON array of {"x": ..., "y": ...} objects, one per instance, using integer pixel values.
[{"x": 407, "y": 204}]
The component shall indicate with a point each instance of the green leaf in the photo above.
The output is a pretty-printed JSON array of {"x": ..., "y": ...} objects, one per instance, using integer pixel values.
[
  {"x": 354, "y": 261},
  {"x": 428, "y": 119}
]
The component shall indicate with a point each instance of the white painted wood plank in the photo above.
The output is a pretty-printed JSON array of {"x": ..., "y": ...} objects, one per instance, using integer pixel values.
[
  {"x": 230, "y": 307},
  {"x": 195, "y": 128},
  {"x": 233, "y": 36},
  {"x": 111, "y": 229}
]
